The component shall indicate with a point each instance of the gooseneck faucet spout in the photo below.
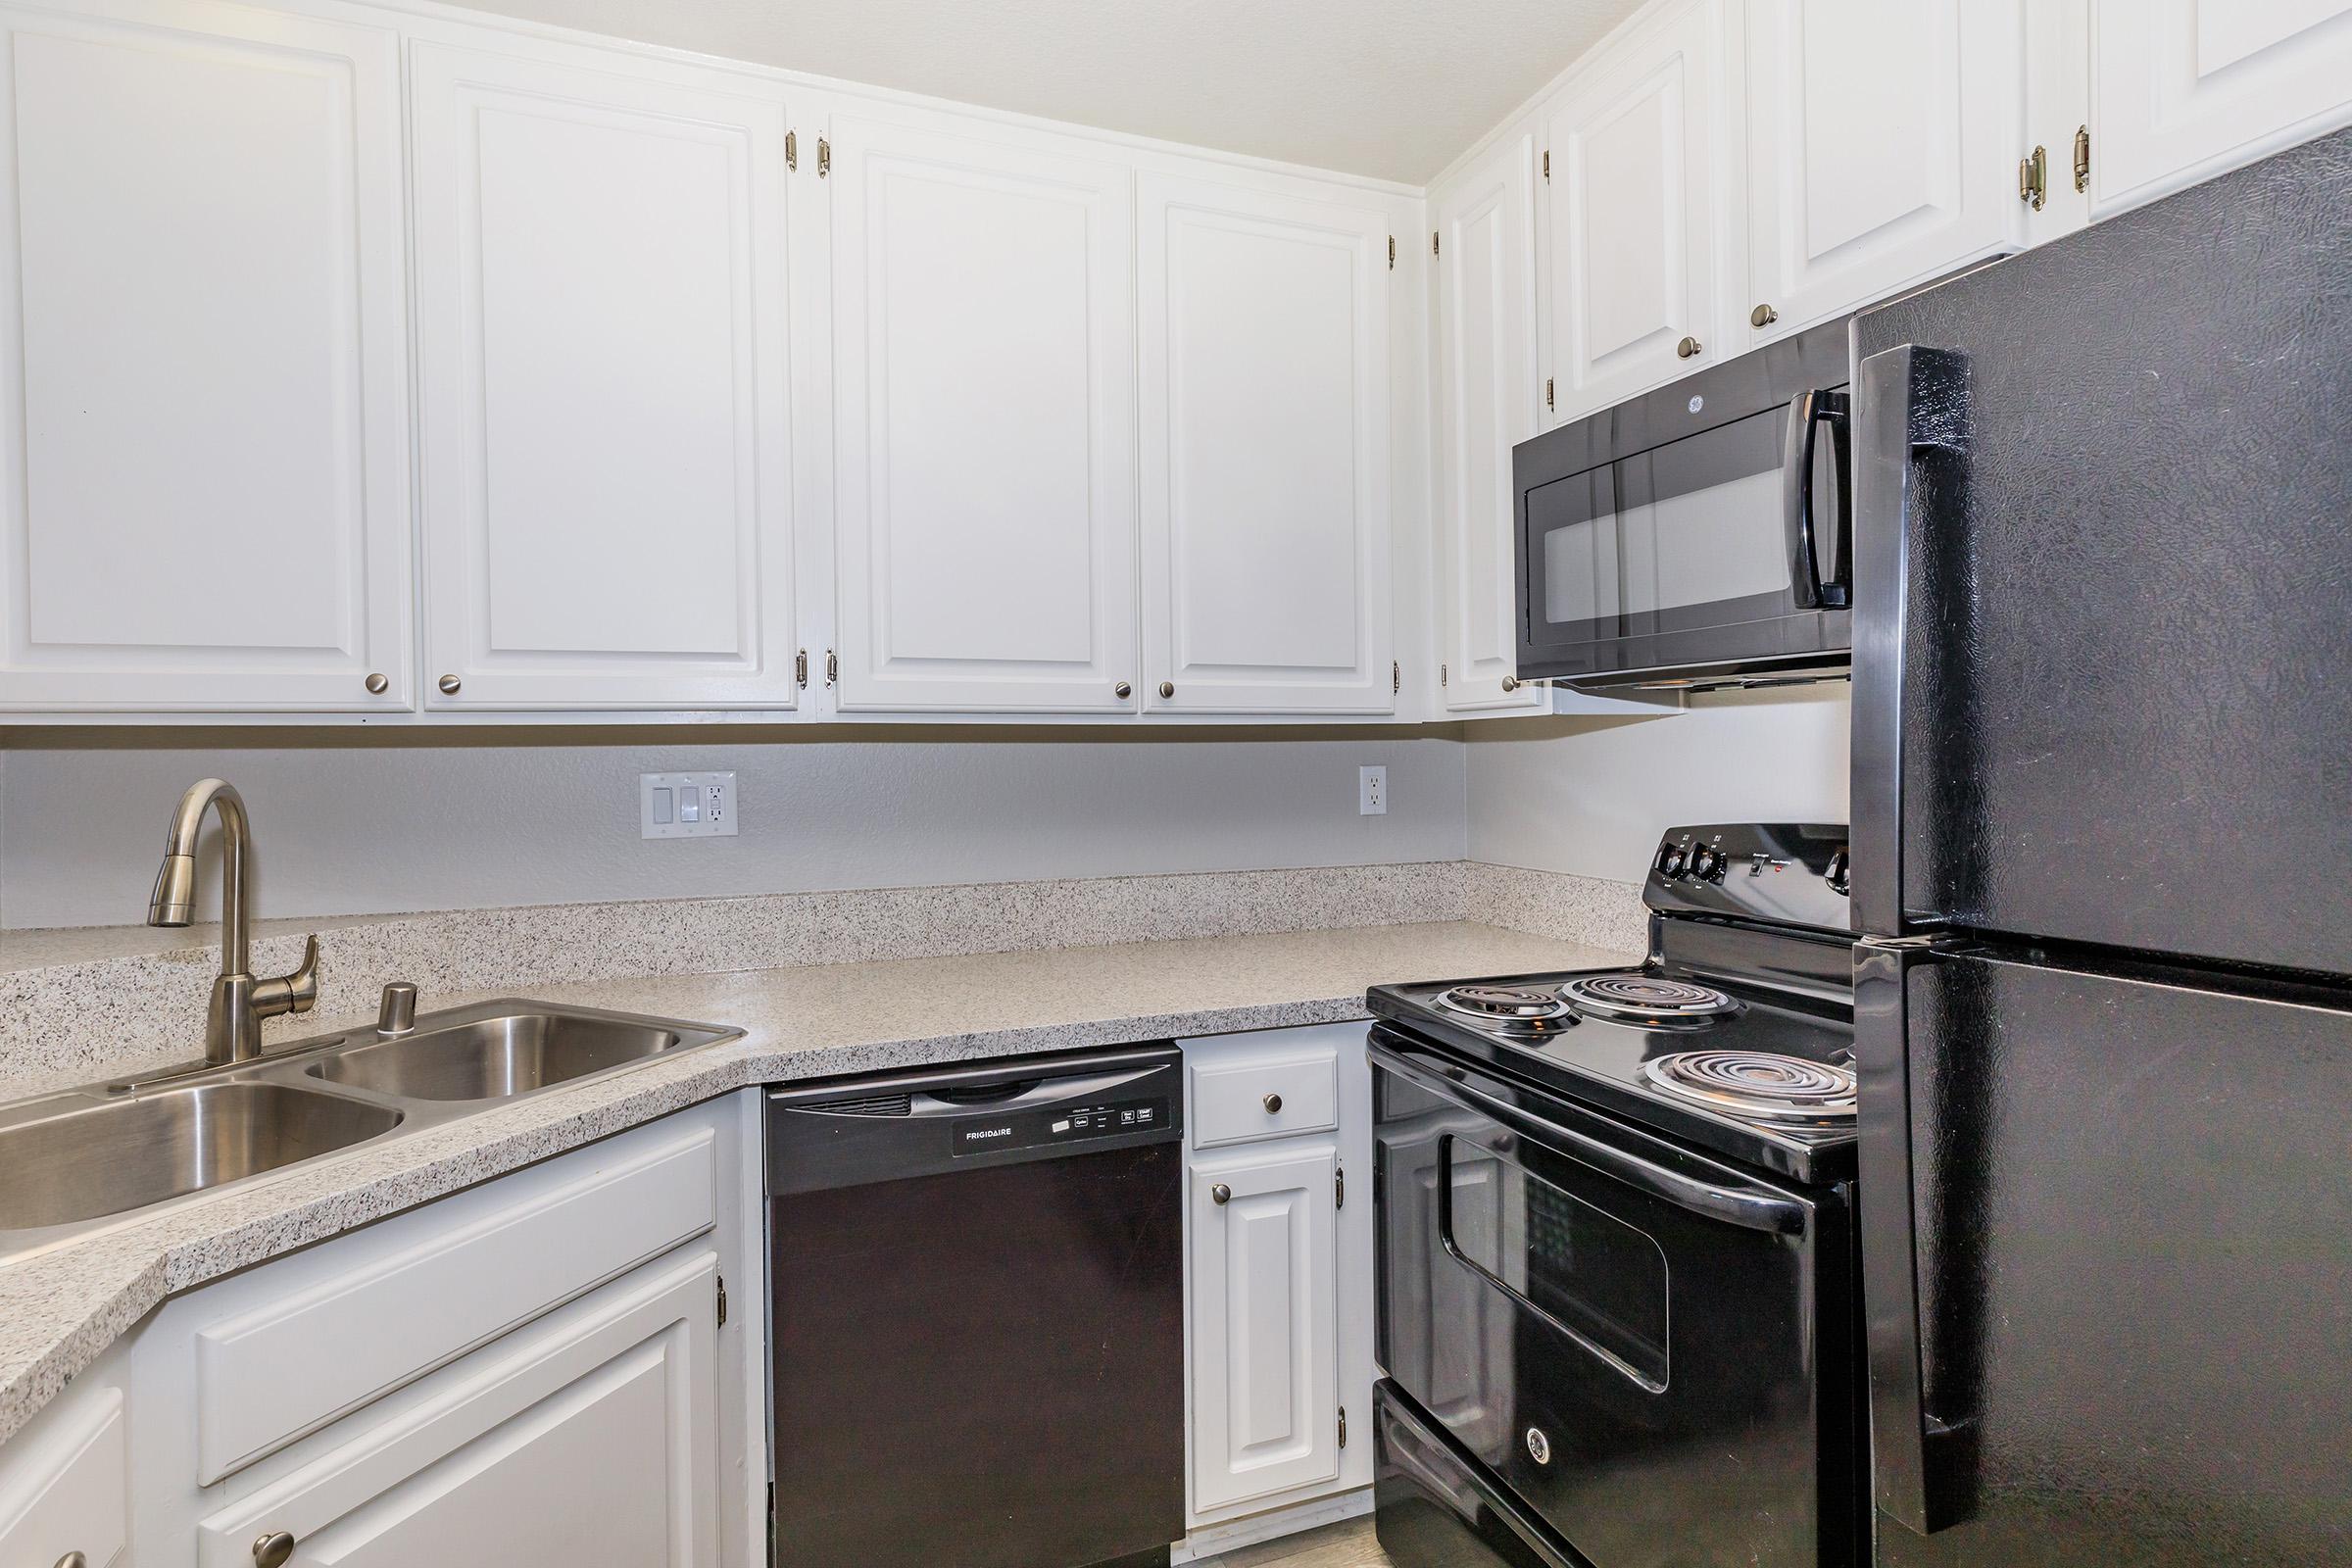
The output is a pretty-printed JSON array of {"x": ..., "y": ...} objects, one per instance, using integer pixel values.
[{"x": 232, "y": 1026}]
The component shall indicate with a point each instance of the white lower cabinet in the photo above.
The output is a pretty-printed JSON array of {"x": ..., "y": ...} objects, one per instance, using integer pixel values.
[
  {"x": 1279, "y": 1267},
  {"x": 65, "y": 1489},
  {"x": 589, "y": 1437}
]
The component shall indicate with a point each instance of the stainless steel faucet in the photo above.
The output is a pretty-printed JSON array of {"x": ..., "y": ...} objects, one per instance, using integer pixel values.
[{"x": 232, "y": 1024}]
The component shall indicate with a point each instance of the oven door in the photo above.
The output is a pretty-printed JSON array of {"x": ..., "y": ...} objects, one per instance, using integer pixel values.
[{"x": 1629, "y": 1337}]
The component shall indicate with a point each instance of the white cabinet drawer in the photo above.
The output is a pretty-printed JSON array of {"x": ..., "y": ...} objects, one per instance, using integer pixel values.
[
  {"x": 384, "y": 1307},
  {"x": 63, "y": 1485},
  {"x": 1268, "y": 1085}
]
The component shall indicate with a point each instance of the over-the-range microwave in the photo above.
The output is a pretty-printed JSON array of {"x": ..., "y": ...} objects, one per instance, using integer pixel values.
[{"x": 1694, "y": 535}]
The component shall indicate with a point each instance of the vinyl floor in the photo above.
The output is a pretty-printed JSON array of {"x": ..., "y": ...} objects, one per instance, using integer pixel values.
[{"x": 1348, "y": 1544}]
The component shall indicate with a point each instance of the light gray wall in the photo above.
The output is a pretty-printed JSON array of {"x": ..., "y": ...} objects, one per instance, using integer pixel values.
[
  {"x": 361, "y": 823},
  {"x": 1591, "y": 796}
]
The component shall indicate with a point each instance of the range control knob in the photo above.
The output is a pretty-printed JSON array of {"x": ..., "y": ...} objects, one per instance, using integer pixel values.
[
  {"x": 1840, "y": 872},
  {"x": 1707, "y": 861},
  {"x": 1671, "y": 859}
]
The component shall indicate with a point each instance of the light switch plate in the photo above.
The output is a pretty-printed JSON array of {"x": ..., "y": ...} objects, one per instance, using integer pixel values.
[{"x": 686, "y": 806}]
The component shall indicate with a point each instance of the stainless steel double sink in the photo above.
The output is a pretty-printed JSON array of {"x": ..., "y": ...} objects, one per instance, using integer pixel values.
[{"x": 88, "y": 1156}]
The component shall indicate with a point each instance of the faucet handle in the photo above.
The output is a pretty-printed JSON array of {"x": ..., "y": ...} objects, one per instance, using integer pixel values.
[
  {"x": 290, "y": 993},
  {"x": 396, "y": 1015}
]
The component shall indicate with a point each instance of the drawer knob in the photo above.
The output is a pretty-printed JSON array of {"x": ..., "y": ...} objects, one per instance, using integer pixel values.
[
  {"x": 1273, "y": 1104},
  {"x": 1762, "y": 315},
  {"x": 1122, "y": 691},
  {"x": 74, "y": 1559},
  {"x": 379, "y": 684},
  {"x": 450, "y": 685},
  {"x": 1168, "y": 688},
  {"x": 1687, "y": 348},
  {"x": 1220, "y": 1193},
  {"x": 273, "y": 1550}
]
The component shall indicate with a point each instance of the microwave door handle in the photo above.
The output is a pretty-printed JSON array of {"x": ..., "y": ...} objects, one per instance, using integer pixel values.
[
  {"x": 1911, "y": 412},
  {"x": 1808, "y": 412},
  {"x": 1750, "y": 1210},
  {"x": 1923, "y": 1465}
]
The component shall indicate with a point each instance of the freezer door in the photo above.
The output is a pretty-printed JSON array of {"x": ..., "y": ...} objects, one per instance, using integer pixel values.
[
  {"x": 2103, "y": 616},
  {"x": 2107, "y": 1252}
]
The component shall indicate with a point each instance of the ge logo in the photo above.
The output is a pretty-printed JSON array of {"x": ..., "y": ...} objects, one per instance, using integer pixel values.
[
  {"x": 1539, "y": 1447},
  {"x": 1697, "y": 403}
]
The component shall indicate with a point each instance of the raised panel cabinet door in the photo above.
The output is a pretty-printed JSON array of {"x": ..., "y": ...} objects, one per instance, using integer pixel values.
[
  {"x": 64, "y": 1484},
  {"x": 605, "y": 462},
  {"x": 1638, "y": 141},
  {"x": 1266, "y": 1328},
  {"x": 1882, "y": 149},
  {"x": 984, "y": 423},
  {"x": 1263, "y": 404},
  {"x": 2182, "y": 89},
  {"x": 203, "y": 422},
  {"x": 588, "y": 1439},
  {"x": 1487, "y": 404}
]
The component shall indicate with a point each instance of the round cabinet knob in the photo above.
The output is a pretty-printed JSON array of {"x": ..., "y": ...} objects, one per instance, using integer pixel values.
[
  {"x": 1168, "y": 688},
  {"x": 74, "y": 1559},
  {"x": 449, "y": 685},
  {"x": 1273, "y": 1104},
  {"x": 273, "y": 1550},
  {"x": 378, "y": 685},
  {"x": 1510, "y": 683},
  {"x": 1220, "y": 1193},
  {"x": 1687, "y": 348},
  {"x": 1122, "y": 691},
  {"x": 1762, "y": 315}
]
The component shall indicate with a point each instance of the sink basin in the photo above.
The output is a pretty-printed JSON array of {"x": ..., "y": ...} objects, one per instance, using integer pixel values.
[
  {"x": 89, "y": 1159},
  {"x": 512, "y": 1052}
]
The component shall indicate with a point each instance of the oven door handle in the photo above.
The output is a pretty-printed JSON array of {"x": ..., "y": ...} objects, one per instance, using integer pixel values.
[
  {"x": 1733, "y": 1205},
  {"x": 1808, "y": 412}
]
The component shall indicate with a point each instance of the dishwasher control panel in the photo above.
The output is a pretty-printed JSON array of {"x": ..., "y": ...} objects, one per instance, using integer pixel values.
[{"x": 1058, "y": 1124}]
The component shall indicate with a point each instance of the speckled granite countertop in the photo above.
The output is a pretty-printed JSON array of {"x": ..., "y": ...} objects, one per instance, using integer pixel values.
[{"x": 60, "y": 1308}]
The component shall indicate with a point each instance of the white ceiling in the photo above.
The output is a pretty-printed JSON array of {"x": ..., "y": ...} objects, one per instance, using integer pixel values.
[{"x": 1394, "y": 88}]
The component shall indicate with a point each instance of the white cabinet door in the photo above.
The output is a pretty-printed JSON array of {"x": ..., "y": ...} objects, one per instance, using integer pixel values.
[
  {"x": 590, "y": 1437},
  {"x": 1882, "y": 150},
  {"x": 2181, "y": 89},
  {"x": 1638, "y": 143},
  {"x": 64, "y": 1484},
  {"x": 1486, "y": 402},
  {"x": 203, "y": 362},
  {"x": 600, "y": 288},
  {"x": 1264, "y": 411},
  {"x": 1265, "y": 1326},
  {"x": 984, "y": 415}
]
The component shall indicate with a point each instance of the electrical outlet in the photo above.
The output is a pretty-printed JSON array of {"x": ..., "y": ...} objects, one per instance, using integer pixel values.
[
  {"x": 686, "y": 806},
  {"x": 1371, "y": 792}
]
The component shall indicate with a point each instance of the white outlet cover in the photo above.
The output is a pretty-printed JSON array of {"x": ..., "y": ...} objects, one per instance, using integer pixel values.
[
  {"x": 686, "y": 806},
  {"x": 1371, "y": 792}
]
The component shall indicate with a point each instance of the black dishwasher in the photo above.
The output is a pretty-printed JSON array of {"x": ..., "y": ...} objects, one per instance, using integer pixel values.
[{"x": 978, "y": 1315}]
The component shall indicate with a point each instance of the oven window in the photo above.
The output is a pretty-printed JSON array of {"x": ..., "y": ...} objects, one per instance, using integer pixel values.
[
  {"x": 1592, "y": 1274},
  {"x": 1683, "y": 536}
]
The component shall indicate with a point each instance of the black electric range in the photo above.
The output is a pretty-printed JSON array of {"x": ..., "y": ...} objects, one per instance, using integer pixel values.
[{"x": 1619, "y": 1304}]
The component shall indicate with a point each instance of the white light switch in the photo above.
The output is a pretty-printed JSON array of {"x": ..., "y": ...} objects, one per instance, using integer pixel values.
[
  {"x": 1371, "y": 792},
  {"x": 686, "y": 806}
]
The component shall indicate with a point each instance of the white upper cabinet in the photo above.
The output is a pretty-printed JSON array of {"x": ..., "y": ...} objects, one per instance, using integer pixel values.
[
  {"x": 203, "y": 362},
  {"x": 1263, "y": 404},
  {"x": 1487, "y": 402},
  {"x": 606, "y": 463},
  {"x": 2182, "y": 89},
  {"x": 983, "y": 418},
  {"x": 1882, "y": 149},
  {"x": 1638, "y": 141}
]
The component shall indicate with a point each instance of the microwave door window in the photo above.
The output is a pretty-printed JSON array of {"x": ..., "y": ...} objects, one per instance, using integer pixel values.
[{"x": 1583, "y": 578}]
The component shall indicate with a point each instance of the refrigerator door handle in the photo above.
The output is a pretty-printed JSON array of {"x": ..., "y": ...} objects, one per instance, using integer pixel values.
[
  {"x": 1911, "y": 418},
  {"x": 1808, "y": 412},
  {"x": 1922, "y": 1469}
]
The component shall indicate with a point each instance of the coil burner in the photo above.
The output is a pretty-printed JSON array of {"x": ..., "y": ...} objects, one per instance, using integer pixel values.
[
  {"x": 1648, "y": 999},
  {"x": 1522, "y": 1009},
  {"x": 1757, "y": 1084}
]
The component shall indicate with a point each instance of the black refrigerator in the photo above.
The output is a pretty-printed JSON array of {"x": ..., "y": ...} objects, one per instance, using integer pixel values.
[{"x": 2102, "y": 867}]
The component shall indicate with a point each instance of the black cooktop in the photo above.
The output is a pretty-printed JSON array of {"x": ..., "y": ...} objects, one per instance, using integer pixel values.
[{"x": 1598, "y": 1060}]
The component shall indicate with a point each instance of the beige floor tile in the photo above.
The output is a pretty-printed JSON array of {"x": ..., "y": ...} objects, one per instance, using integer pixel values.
[{"x": 1341, "y": 1545}]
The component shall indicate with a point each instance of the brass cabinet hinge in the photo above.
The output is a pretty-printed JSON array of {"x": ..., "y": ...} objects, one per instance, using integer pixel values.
[
  {"x": 2034, "y": 179},
  {"x": 800, "y": 668},
  {"x": 1392, "y": 253},
  {"x": 1338, "y": 1187},
  {"x": 1547, "y": 165},
  {"x": 824, "y": 158},
  {"x": 791, "y": 151},
  {"x": 723, "y": 1300},
  {"x": 1395, "y": 676},
  {"x": 832, "y": 666},
  {"x": 1548, "y": 403},
  {"x": 2081, "y": 158},
  {"x": 1433, "y": 242},
  {"x": 1343, "y": 1426}
]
